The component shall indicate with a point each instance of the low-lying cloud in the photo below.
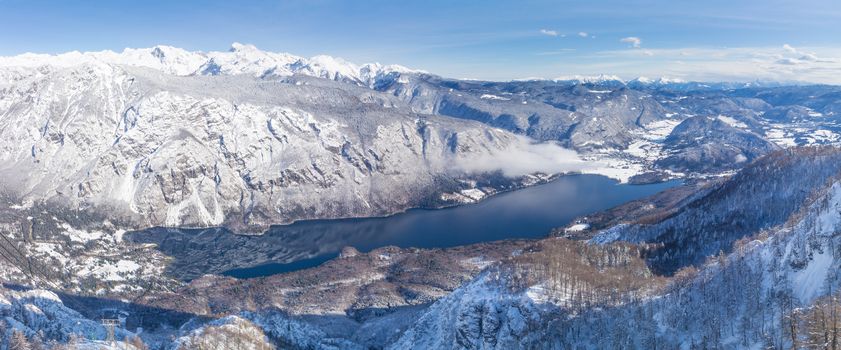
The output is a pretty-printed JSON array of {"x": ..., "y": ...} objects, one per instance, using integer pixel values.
[{"x": 524, "y": 156}]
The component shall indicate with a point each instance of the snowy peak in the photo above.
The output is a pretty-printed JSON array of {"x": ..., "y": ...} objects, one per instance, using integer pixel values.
[
  {"x": 659, "y": 81},
  {"x": 247, "y": 59},
  {"x": 591, "y": 79},
  {"x": 168, "y": 59},
  {"x": 329, "y": 67},
  {"x": 240, "y": 59}
]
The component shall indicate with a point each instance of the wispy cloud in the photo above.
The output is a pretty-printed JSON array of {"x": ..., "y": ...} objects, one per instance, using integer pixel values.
[
  {"x": 583, "y": 34},
  {"x": 634, "y": 41},
  {"x": 782, "y": 63},
  {"x": 548, "y": 32}
]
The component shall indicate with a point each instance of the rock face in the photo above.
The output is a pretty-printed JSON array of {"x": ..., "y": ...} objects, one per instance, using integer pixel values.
[{"x": 228, "y": 150}]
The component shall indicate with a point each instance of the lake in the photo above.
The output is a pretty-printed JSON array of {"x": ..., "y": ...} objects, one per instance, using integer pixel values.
[{"x": 526, "y": 213}]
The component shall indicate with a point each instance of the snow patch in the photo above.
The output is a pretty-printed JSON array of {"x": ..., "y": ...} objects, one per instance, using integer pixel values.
[
  {"x": 494, "y": 97},
  {"x": 578, "y": 227}
]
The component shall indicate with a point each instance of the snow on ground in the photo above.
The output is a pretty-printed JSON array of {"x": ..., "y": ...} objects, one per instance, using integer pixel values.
[
  {"x": 822, "y": 136},
  {"x": 494, "y": 97},
  {"x": 51, "y": 250},
  {"x": 649, "y": 146},
  {"x": 659, "y": 130},
  {"x": 814, "y": 114},
  {"x": 81, "y": 236},
  {"x": 732, "y": 122},
  {"x": 474, "y": 193},
  {"x": 614, "y": 168},
  {"x": 467, "y": 196},
  {"x": 534, "y": 179},
  {"x": 780, "y": 137},
  {"x": 118, "y": 235},
  {"x": 608, "y": 235},
  {"x": 577, "y": 227},
  {"x": 640, "y": 149},
  {"x": 808, "y": 282},
  {"x": 537, "y": 293},
  {"x": 109, "y": 271}
]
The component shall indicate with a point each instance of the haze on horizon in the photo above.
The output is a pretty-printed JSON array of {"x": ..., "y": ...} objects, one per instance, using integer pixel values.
[{"x": 711, "y": 41}]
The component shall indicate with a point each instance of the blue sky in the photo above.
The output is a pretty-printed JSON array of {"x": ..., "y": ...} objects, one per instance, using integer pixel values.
[{"x": 702, "y": 40}]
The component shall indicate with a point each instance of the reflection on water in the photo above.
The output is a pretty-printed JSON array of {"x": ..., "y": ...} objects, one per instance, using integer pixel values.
[{"x": 527, "y": 213}]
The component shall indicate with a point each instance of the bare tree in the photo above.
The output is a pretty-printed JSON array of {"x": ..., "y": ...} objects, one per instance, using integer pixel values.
[{"x": 18, "y": 341}]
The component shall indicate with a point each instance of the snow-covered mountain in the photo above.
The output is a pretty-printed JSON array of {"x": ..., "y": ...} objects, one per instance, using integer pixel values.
[
  {"x": 94, "y": 143},
  {"x": 757, "y": 296},
  {"x": 241, "y": 59},
  {"x": 40, "y": 311},
  {"x": 602, "y": 116},
  {"x": 225, "y": 150},
  {"x": 737, "y": 208}
]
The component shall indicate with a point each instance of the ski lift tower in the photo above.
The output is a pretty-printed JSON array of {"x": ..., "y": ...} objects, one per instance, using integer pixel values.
[{"x": 111, "y": 325}]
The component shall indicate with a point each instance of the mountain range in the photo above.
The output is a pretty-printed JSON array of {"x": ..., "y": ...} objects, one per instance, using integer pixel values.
[
  {"x": 247, "y": 138},
  {"x": 96, "y": 145}
]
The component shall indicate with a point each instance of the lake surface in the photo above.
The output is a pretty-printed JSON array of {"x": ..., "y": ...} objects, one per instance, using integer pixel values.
[{"x": 526, "y": 213}]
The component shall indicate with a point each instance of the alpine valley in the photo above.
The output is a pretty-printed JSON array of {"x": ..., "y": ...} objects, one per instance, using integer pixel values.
[{"x": 133, "y": 184}]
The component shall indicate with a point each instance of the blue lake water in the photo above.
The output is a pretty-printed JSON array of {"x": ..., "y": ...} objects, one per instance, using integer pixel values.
[{"x": 526, "y": 213}]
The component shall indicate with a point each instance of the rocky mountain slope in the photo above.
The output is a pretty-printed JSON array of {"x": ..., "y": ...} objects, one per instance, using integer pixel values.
[
  {"x": 165, "y": 150},
  {"x": 242, "y": 138}
]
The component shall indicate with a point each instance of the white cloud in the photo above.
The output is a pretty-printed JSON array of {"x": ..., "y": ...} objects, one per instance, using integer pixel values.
[
  {"x": 782, "y": 64},
  {"x": 634, "y": 41},
  {"x": 789, "y": 48},
  {"x": 809, "y": 57},
  {"x": 548, "y": 32},
  {"x": 525, "y": 156},
  {"x": 799, "y": 57},
  {"x": 583, "y": 34}
]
